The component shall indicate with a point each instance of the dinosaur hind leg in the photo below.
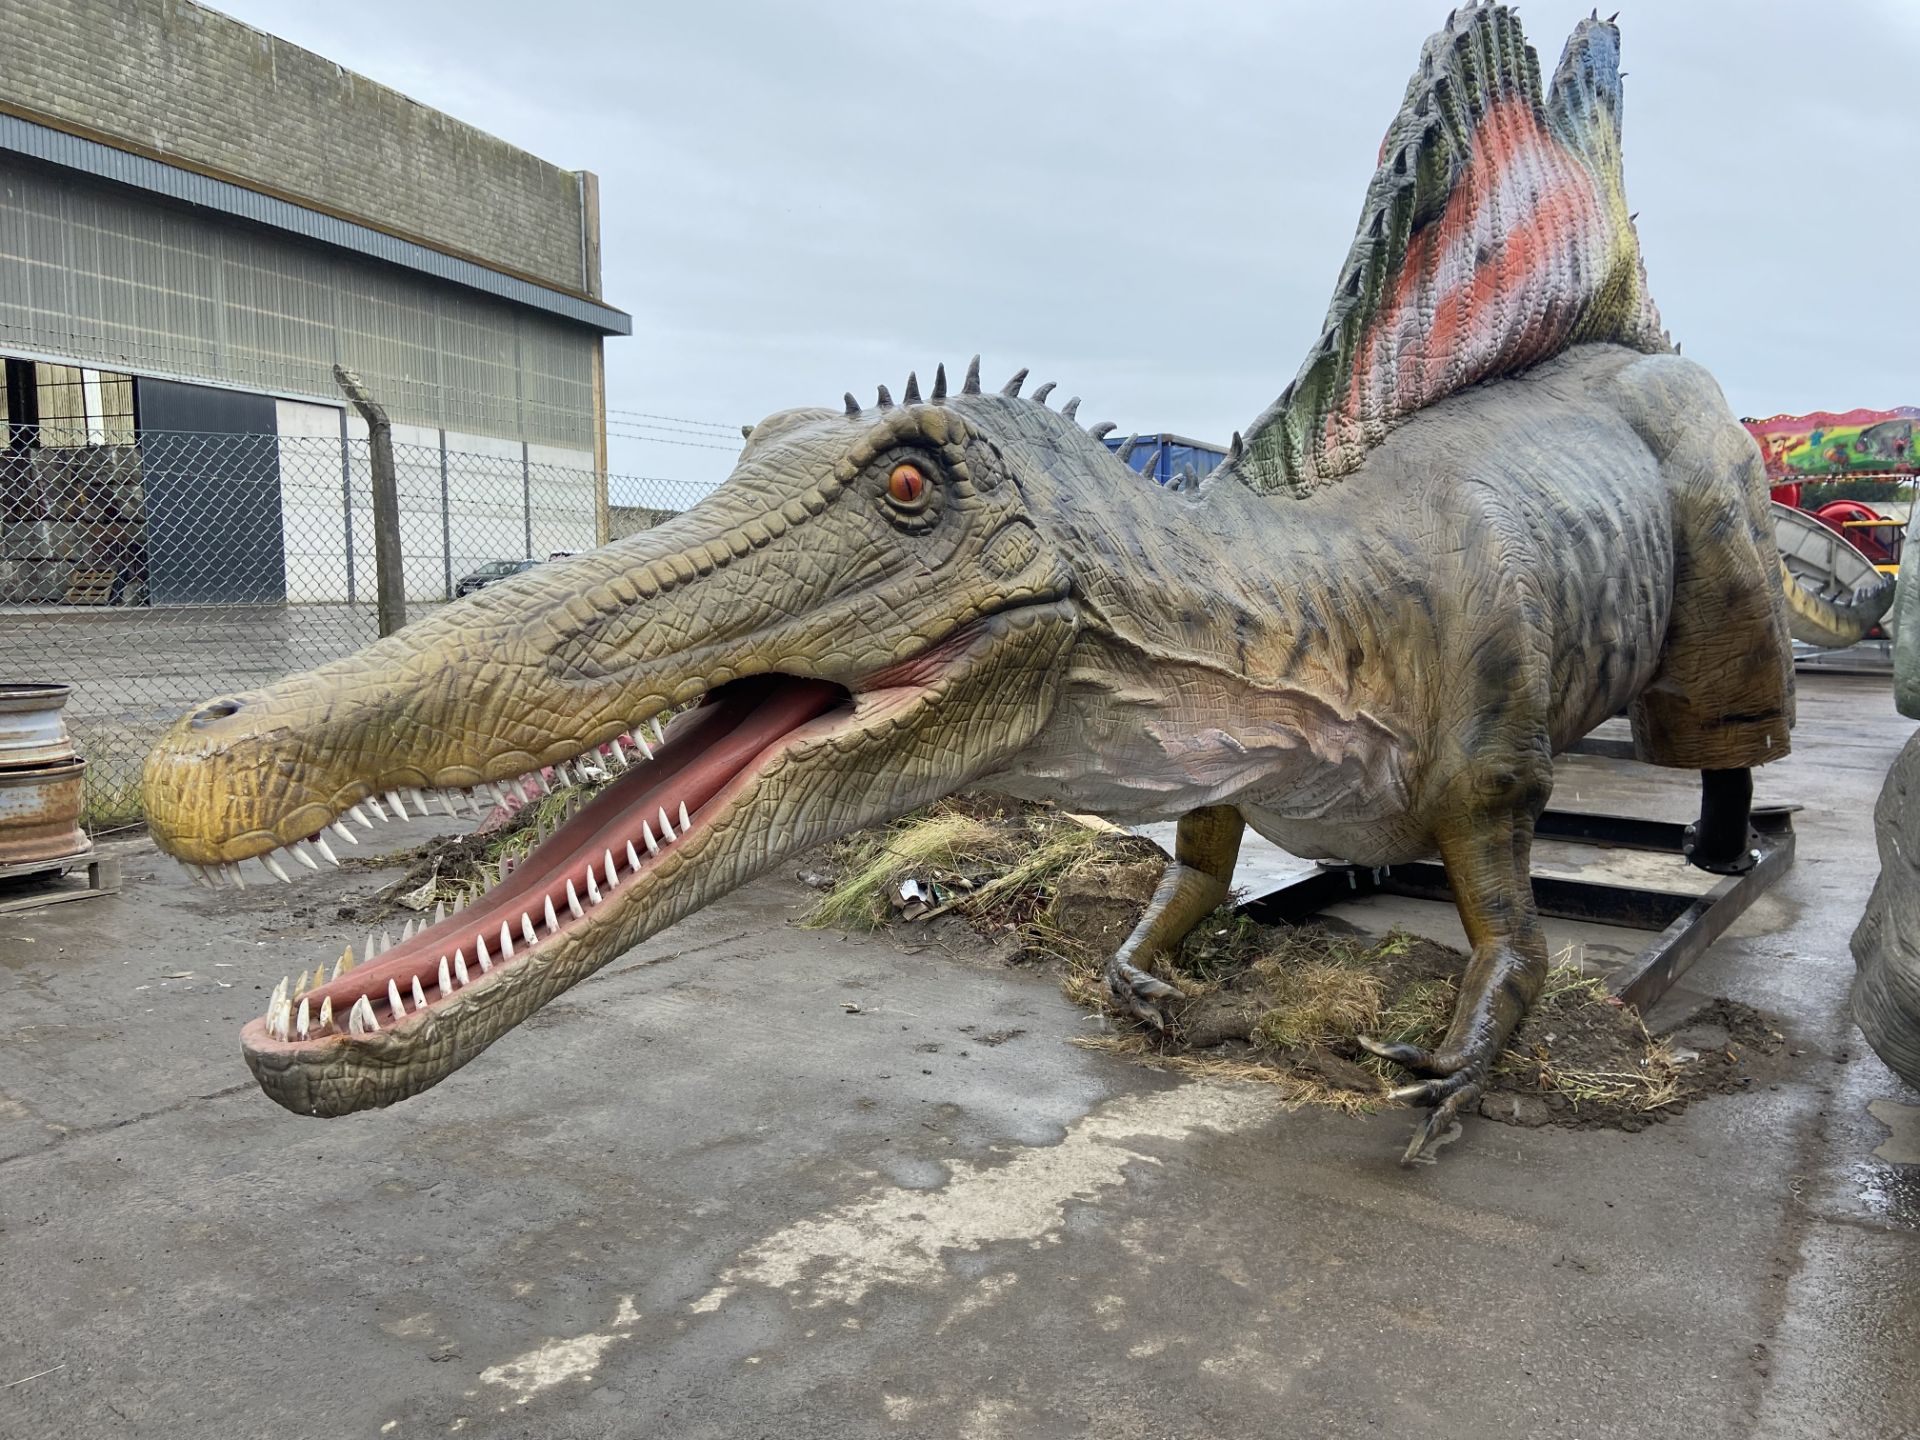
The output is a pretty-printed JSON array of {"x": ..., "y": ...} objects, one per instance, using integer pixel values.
[
  {"x": 1200, "y": 877},
  {"x": 1488, "y": 865}
]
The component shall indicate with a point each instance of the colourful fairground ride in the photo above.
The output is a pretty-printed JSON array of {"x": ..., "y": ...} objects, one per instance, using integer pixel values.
[{"x": 1835, "y": 546}]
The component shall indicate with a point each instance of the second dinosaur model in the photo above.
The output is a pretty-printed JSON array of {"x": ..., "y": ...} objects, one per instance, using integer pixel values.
[{"x": 1493, "y": 510}]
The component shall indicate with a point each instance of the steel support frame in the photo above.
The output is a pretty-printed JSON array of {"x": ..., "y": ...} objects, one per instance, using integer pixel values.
[{"x": 1685, "y": 925}]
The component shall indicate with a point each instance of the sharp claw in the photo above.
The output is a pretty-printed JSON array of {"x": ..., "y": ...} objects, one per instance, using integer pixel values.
[{"x": 1406, "y": 1094}]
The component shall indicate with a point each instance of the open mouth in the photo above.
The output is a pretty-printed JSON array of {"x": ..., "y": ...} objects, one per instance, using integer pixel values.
[{"x": 666, "y": 794}]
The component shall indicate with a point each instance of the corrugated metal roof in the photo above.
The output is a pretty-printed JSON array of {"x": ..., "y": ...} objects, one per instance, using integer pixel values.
[{"x": 90, "y": 157}]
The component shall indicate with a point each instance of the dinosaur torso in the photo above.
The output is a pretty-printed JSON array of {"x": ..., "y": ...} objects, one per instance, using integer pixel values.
[{"x": 1298, "y": 657}]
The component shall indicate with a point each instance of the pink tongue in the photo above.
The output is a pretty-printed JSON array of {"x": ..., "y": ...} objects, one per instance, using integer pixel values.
[{"x": 698, "y": 777}]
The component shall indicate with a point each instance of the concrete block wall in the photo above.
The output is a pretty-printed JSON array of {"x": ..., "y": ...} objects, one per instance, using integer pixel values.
[{"x": 195, "y": 86}]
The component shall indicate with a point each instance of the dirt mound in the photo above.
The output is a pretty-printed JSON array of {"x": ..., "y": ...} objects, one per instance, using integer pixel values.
[{"x": 1284, "y": 1005}]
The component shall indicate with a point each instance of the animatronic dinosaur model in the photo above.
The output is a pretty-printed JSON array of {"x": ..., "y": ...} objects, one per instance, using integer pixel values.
[{"x": 1541, "y": 516}]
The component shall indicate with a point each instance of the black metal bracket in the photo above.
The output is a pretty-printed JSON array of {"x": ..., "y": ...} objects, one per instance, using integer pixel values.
[{"x": 1686, "y": 924}]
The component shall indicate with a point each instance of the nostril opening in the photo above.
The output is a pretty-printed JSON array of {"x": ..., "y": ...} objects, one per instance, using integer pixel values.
[{"x": 218, "y": 710}]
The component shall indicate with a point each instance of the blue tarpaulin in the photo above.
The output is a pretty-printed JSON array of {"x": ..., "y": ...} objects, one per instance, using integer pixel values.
[{"x": 1165, "y": 456}]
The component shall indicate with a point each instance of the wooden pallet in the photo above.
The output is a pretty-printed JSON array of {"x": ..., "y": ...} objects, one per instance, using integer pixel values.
[
  {"x": 51, "y": 882},
  {"x": 91, "y": 587}
]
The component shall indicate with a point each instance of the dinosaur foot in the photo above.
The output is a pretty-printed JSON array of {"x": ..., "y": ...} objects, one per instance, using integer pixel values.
[
  {"x": 1452, "y": 1087},
  {"x": 1133, "y": 992}
]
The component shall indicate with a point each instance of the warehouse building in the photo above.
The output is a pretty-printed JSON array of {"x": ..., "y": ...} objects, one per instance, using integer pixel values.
[{"x": 197, "y": 222}]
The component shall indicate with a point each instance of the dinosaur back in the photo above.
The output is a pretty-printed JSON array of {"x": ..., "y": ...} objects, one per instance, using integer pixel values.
[{"x": 1495, "y": 235}]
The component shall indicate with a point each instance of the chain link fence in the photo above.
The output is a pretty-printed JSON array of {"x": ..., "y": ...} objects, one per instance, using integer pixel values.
[{"x": 154, "y": 573}]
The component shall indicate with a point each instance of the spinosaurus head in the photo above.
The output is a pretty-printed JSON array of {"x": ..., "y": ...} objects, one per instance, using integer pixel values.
[{"x": 864, "y": 617}]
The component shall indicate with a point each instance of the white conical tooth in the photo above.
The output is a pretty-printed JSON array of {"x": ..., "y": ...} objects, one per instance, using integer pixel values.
[
  {"x": 393, "y": 1001},
  {"x": 633, "y": 857},
  {"x": 326, "y": 850},
  {"x": 659, "y": 735},
  {"x": 355, "y": 1025},
  {"x": 653, "y": 845},
  {"x": 408, "y": 930},
  {"x": 393, "y": 800},
  {"x": 459, "y": 903},
  {"x": 233, "y": 874},
  {"x": 617, "y": 755},
  {"x": 460, "y": 967},
  {"x": 279, "y": 993},
  {"x": 419, "y": 995},
  {"x": 346, "y": 961},
  {"x": 446, "y": 803},
  {"x": 506, "y": 942},
  {"x": 685, "y": 823},
  {"x": 301, "y": 1025},
  {"x": 299, "y": 851},
  {"x": 593, "y": 887},
  {"x": 275, "y": 868},
  {"x": 666, "y": 827},
  {"x": 342, "y": 831},
  {"x": 641, "y": 741},
  {"x": 386, "y": 942},
  {"x": 613, "y": 875},
  {"x": 439, "y": 911},
  {"x": 573, "y": 901},
  {"x": 553, "y": 920},
  {"x": 357, "y": 814},
  {"x": 373, "y": 804},
  {"x": 367, "y": 1016},
  {"x": 372, "y": 949},
  {"x": 446, "y": 977},
  {"x": 326, "y": 1012},
  {"x": 480, "y": 953},
  {"x": 527, "y": 932},
  {"x": 299, "y": 983}
]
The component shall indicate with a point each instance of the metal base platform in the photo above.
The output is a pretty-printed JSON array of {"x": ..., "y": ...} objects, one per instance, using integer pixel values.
[
  {"x": 1685, "y": 924},
  {"x": 33, "y": 884}
]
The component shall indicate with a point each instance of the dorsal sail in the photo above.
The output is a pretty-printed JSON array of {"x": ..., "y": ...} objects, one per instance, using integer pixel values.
[{"x": 1495, "y": 235}]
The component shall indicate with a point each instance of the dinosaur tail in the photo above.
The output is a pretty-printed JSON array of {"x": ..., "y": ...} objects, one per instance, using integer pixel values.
[{"x": 1834, "y": 624}]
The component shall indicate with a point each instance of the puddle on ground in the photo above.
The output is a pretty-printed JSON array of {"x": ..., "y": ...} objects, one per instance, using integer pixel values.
[{"x": 1892, "y": 1189}]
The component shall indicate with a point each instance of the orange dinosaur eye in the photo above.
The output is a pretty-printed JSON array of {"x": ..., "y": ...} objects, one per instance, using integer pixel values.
[{"x": 907, "y": 486}]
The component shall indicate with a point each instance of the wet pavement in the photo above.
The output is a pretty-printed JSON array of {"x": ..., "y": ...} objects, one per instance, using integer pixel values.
[{"x": 700, "y": 1195}]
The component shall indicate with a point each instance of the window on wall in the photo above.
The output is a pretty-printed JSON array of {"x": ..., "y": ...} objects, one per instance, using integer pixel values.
[{"x": 81, "y": 406}]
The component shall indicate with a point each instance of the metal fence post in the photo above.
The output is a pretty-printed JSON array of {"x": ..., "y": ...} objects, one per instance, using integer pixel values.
[
  {"x": 346, "y": 500},
  {"x": 446, "y": 524},
  {"x": 392, "y": 593},
  {"x": 526, "y": 495}
]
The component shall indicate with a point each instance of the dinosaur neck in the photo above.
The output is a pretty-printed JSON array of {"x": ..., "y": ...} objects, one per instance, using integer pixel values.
[
  {"x": 1272, "y": 591},
  {"x": 1228, "y": 641}
]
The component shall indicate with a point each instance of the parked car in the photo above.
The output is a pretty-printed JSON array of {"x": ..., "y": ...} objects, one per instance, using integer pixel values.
[{"x": 488, "y": 573}]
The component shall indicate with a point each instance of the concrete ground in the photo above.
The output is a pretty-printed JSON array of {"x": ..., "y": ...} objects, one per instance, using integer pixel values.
[{"x": 705, "y": 1195}]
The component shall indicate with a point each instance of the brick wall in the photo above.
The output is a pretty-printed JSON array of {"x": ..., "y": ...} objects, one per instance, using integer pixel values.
[{"x": 194, "y": 85}]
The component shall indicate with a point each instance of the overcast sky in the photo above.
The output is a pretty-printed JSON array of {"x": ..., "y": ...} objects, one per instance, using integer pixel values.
[{"x": 1145, "y": 200}]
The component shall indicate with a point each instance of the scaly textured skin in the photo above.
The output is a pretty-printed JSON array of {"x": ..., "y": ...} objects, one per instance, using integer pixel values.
[{"x": 1373, "y": 671}]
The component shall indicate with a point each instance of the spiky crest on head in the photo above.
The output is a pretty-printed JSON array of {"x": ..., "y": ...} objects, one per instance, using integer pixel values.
[
  {"x": 1495, "y": 234},
  {"x": 971, "y": 386}
]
